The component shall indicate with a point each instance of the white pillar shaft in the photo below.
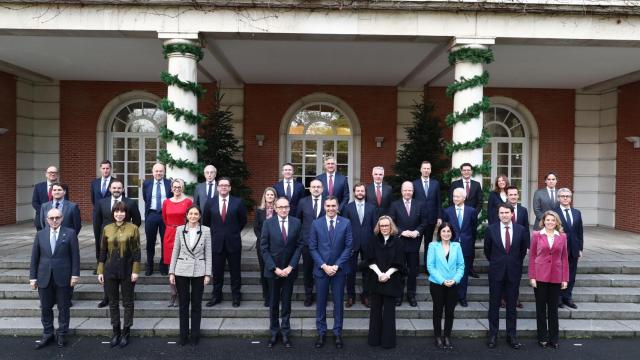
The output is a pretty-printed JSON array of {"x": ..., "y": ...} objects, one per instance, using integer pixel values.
[{"x": 185, "y": 67}]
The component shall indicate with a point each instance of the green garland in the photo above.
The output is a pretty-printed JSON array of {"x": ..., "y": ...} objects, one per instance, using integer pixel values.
[
  {"x": 189, "y": 116},
  {"x": 166, "y": 158},
  {"x": 470, "y": 113},
  {"x": 479, "y": 142},
  {"x": 463, "y": 84},
  {"x": 183, "y": 49},
  {"x": 195, "y": 88},
  {"x": 472, "y": 55},
  {"x": 189, "y": 140}
]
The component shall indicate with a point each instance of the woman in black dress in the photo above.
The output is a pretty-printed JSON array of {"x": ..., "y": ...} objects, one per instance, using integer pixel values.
[
  {"x": 385, "y": 259},
  {"x": 265, "y": 211}
]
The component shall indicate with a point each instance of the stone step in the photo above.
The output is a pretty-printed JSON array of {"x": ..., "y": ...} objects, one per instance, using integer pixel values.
[
  {"x": 254, "y": 292},
  {"x": 21, "y": 276},
  {"x": 305, "y": 327},
  {"x": 255, "y": 309}
]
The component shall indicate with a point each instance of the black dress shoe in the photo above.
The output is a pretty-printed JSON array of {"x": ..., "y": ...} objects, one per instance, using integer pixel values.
[
  {"x": 286, "y": 342},
  {"x": 571, "y": 304},
  {"x": 235, "y": 303},
  {"x": 542, "y": 344},
  {"x": 103, "y": 303},
  {"x": 493, "y": 342},
  {"x": 412, "y": 301},
  {"x": 213, "y": 302},
  {"x": 319, "y": 341},
  {"x": 44, "y": 341},
  {"x": 60, "y": 341},
  {"x": 474, "y": 274},
  {"x": 338, "y": 342},
  {"x": 195, "y": 340},
  {"x": 124, "y": 339},
  {"x": 514, "y": 343},
  {"x": 70, "y": 303},
  {"x": 439, "y": 343},
  {"x": 553, "y": 345},
  {"x": 464, "y": 303},
  {"x": 266, "y": 303},
  {"x": 148, "y": 272},
  {"x": 183, "y": 341},
  {"x": 272, "y": 341},
  {"x": 349, "y": 302},
  {"x": 308, "y": 301},
  {"x": 447, "y": 343},
  {"x": 560, "y": 305},
  {"x": 398, "y": 302}
]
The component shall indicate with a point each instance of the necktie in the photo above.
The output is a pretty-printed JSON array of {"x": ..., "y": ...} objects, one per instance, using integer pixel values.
[
  {"x": 568, "y": 216},
  {"x": 330, "y": 184},
  {"x": 223, "y": 214},
  {"x": 158, "y": 196},
  {"x": 288, "y": 190},
  {"x": 209, "y": 189},
  {"x": 360, "y": 213},
  {"x": 379, "y": 195},
  {"x": 407, "y": 206},
  {"x": 315, "y": 208},
  {"x": 49, "y": 193},
  {"x": 332, "y": 231},
  {"x": 552, "y": 195},
  {"x": 459, "y": 217},
  {"x": 104, "y": 186},
  {"x": 284, "y": 232},
  {"x": 57, "y": 204},
  {"x": 513, "y": 217},
  {"x": 507, "y": 239},
  {"x": 52, "y": 240},
  {"x": 426, "y": 188},
  {"x": 467, "y": 189}
]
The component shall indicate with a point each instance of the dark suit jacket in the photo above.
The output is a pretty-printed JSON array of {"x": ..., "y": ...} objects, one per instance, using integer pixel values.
[
  {"x": 103, "y": 212},
  {"x": 340, "y": 188},
  {"x": 361, "y": 232},
  {"x": 277, "y": 253},
  {"x": 147, "y": 192},
  {"x": 465, "y": 235},
  {"x": 304, "y": 212},
  {"x": 96, "y": 192},
  {"x": 297, "y": 193},
  {"x": 501, "y": 264},
  {"x": 41, "y": 196},
  {"x": 387, "y": 198},
  {"x": 227, "y": 234},
  {"x": 575, "y": 239},
  {"x": 432, "y": 201},
  {"x": 492, "y": 207},
  {"x": 336, "y": 253},
  {"x": 522, "y": 216},
  {"x": 474, "y": 198},
  {"x": 70, "y": 212},
  {"x": 417, "y": 220},
  {"x": 63, "y": 263},
  {"x": 200, "y": 194}
]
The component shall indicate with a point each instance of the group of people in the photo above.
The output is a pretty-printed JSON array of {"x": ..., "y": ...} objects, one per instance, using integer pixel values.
[{"x": 374, "y": 234}]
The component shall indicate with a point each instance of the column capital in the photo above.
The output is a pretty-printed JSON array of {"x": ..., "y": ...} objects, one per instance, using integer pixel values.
[{"x": 471, "y": 42}]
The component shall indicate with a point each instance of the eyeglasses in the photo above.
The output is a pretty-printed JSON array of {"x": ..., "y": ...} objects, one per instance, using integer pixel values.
[
  {"x": 282, "y": 207},
  {"x": 384, "y": 226},
  {"x": 52, "y": 172},
  {"x": 54, "y": 218},
  {"x": 564, "y": 196}
]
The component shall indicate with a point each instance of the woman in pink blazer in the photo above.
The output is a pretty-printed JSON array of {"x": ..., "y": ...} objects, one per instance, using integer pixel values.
[{"x": 548, "y": 273}]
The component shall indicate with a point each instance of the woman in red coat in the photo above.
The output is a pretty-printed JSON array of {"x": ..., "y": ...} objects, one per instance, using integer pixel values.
[{"x": 548, "y": 273}]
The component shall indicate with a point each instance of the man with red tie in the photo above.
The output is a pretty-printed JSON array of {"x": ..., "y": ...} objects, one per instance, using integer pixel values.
[
  {"x": 334, "y": 183},
  {"x": 379, "y": 194}
]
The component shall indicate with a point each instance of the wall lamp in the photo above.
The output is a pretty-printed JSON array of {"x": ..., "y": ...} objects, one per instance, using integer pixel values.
[
  {"x": 260, "y": 139},
  {"x": 379, "y": 141},
  {"x": 635, "y": 140}
]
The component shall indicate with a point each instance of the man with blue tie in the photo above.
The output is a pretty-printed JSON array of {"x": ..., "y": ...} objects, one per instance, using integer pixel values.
[
  {"x": 330, "y": 245},
  {"x": 289, "y": 188},
  {"x": 308, "y": 210},
  {"x": 42, "y": 192},
  {"x": 572, "y": 224},
  {"x": 207, "y": 189},
  {"x": 155, "y": 191},
  {"x": 69, "y": 209},
  {"x": 363, "y": 217},
  {"x": 427, "y": 190},
  {"x": 334, "y": 183},
  {"x": 100, "y": 190},
  {"x": 464, "y": 220}
]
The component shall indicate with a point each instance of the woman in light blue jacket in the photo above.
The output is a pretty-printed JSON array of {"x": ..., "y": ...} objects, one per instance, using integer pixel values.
[{"x": 445, "y": 264}]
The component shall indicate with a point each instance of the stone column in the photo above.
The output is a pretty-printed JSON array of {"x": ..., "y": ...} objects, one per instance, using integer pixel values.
[{"x": 185, "y": 67}]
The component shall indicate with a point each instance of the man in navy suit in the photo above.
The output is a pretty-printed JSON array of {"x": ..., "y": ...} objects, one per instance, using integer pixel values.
[
  {"x": 572, "y": 224},
  {"x": 308, "y": 210},
  {"x": 100, "y": 190},
  {"x": 155, "y": 191},
  {"x": 427, "y": 190},
  {"x": 289, "y": 188},
  {"x": 42, "y": 192},
  {"x": 334, "y": 184},
  {"x": 281, "y": 245},
  {"x": 363, "y": 217},
  {"x": 207, "y": 189},
  {"x": 226, "y": 216},
  {"x": 379, "y": 194},
  {"x": 330, "y": 244},
  {"x": 505, "y": 246},
  {"x": 55, "y": 269},
  {"x": 409, "y": 215},
  {"x": 473, "y": 189},
  {"x": 520, "y": 217},
  {"x": 69, "y": 209},
  {"x": 464, "y": 220}
]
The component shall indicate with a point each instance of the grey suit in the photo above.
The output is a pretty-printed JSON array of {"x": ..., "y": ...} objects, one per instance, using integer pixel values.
[
  {"x": 200, "y": 194},
  {"x": 541, "y": 203},
  {"x": 194, "y": 261}
]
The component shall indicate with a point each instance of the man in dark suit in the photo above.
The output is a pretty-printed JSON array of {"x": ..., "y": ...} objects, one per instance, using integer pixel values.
[
  {"x": 226, "y": 216},
  {"x": 55, "y": 269},
  {"x": 410, "y": 218},
  {"x": 363, "y": 217},
  {"x": 309, "y": 209},
  {"x": 207, "y": 189},
  {"x": 155, "y": 191},
  {"x": 281, "y": 245},
  {"x": 473, "y": 189},
  {"x": 333, "y": 183},
  {"x": 289, "y": 188},
  {"x": 330, "y": 244},
  {"x": 100, "y": 190},
  {"x": 69, "y": 209},
  {"x": 520, "y": 217},
  {"x": 379, "y": 194},
  {"x": 505, "y": 246},
  {"x": 104, "y": 217},
  {"x": 464, "y": 220},
  {"x": 427, "y": 190},
  {"x": 42, "y": 192},
  {"x": 572, "y": 224},
  {"x": 545, "y": 198}
]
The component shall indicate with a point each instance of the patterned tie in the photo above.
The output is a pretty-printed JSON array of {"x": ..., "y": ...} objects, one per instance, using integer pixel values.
[
  {"x": 507, "y": 239},
  {"x": 158, "y": 196},
  {"x": 284, "y": 232},
  {"x": 315, "y": 208},
  {"x": 209, "y": 190},
  {"x": 426, "y": 188},
  {"x": 223, "y": 213},
  {"x": 467, "y": 189},
  {"x": 331, "y": 184},
  {"x": 459, "y": 217},
  {"x": 332, "y": 231},
  {"x": 53, "y": 240},
  {"x": 407, "y": 206},
  {"x": 49, "y": 194},
  {"x": 568, "y": 216},
  {"x": 288, "y": 190},
  {"x": 360, "y": 212},
  {"x": 378, "y": 195},
  {"x": 104, "y": 187}
]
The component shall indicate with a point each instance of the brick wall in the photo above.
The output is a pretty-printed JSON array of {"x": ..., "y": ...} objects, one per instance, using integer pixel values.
[
  {"x": 8, "y": 147},
  {"x": 628, "y": 159},
  {"x": 265, "y": 106}
]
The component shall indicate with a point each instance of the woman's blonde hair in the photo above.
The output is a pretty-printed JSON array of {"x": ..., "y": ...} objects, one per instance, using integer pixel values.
[
  {"x": 555, "y": 215},
  {"x": 263, "y": 203},
  {"x": 394, "y": 228}
]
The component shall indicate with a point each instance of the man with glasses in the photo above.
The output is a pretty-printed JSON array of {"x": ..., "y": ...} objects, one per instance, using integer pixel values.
[
  {"x": 42, "y": 192},
  {"x": 572, "y": 225}
]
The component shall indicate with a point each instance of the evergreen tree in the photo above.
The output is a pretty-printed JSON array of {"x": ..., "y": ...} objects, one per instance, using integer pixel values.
[{"x": 223, "y": 150}]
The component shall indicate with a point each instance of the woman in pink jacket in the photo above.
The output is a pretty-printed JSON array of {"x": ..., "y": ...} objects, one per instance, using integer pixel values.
[{"x": 548, "y": 273}]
